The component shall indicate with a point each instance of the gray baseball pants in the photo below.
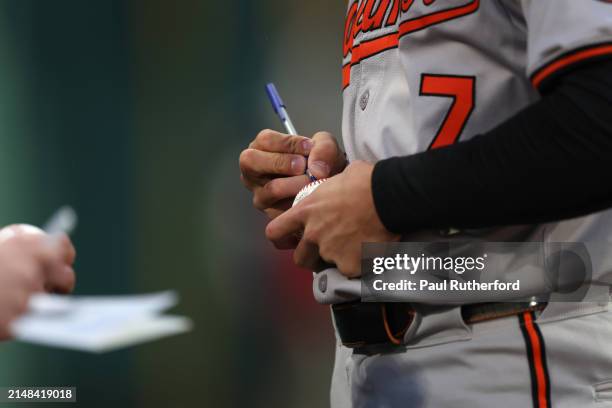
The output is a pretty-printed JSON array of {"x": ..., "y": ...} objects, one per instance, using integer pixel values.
[{"x": 561, "y": 357}]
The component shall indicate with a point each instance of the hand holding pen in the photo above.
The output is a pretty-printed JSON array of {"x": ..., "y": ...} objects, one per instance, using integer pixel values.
[
  {"x": 327, "y": 158},
  {"x": 281, "y": 110},
  {"x": 34, "y": 261},
  {"x": 274, "y": 166}
]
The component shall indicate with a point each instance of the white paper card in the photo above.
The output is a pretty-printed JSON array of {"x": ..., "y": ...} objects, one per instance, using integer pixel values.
[{"x": 98, "y": 323}]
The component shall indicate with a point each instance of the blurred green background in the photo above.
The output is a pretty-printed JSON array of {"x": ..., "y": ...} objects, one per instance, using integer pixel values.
[{"x": 135, "y": 112}]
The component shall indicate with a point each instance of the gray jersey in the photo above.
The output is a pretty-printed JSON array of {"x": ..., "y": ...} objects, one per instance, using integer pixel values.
[{"x": 420, "y": 74}]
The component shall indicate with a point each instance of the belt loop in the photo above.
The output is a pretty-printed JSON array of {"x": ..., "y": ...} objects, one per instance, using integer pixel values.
[{"x": 436, "y": 324}]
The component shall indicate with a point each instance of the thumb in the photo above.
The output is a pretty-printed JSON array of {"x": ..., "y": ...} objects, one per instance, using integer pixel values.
[{"x": 325, "y": 159}]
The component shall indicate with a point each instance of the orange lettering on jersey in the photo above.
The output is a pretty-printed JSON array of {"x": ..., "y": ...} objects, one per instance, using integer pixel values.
[
  {"x": 373, "y": 21},
  {"x": 364, "y": 17},
  {"x": 406, "y": 4},
  {"x": 395, "y": 10},
  {"x": 348, "y": 29},
  {"x": 359, "y": 20}
]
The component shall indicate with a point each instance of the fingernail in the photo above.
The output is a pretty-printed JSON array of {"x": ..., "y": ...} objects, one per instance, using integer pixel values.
[
  {"x": 307, "y": 146},
  {"x": 319, "y": 169},
  {"x": 297, "y": 165}
]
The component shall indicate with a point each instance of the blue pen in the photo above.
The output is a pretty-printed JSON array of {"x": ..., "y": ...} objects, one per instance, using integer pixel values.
[{"x": 281, "y": 110}]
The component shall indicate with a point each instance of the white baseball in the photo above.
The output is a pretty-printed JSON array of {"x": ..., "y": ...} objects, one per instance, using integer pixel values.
[{"x": 306, "y": 191}]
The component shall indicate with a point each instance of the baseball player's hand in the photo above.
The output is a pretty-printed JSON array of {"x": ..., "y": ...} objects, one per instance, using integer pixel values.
[
  {"x": 273, "y": 167},
  {"x": 30, "y": 262},
  {"x": 335, "y": 219}
]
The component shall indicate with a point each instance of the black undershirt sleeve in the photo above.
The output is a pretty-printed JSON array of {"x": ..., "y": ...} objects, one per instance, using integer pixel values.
[{"x": 551, "y": 161}]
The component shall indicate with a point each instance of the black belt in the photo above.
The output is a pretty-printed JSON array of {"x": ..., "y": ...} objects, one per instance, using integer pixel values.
[{"x": 372, "y": 324}]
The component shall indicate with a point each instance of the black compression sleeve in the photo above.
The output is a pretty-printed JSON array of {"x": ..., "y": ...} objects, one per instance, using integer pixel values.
[{"x": 551, "y": 161}]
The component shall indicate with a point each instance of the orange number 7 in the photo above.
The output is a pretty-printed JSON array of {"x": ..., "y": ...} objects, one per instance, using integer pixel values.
[{"x": 462, "y": 90}]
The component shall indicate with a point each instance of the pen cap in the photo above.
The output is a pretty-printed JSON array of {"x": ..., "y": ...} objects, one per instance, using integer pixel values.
[{"x": 275, "y": 99}]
